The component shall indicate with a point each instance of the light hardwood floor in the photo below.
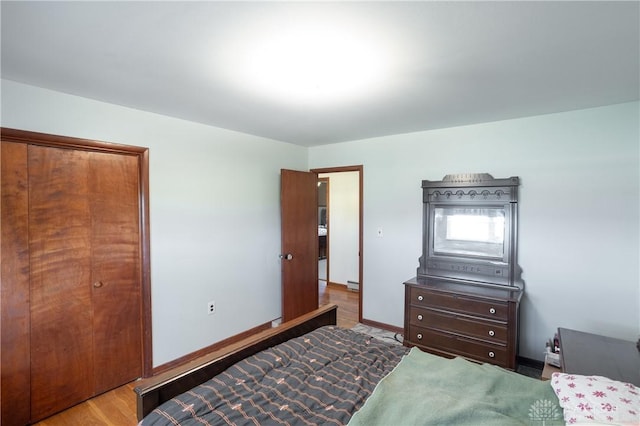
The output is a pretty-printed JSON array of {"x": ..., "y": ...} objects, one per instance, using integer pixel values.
[
  {"x": 118, "y": 407},
  {"x": 346, "y": 300}
]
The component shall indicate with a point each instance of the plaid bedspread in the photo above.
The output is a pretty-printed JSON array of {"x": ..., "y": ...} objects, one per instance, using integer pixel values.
[{"x": 320, "y": 378}]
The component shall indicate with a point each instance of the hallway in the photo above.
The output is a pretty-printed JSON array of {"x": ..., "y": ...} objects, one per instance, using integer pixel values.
[{"x": 346, "y": 300}]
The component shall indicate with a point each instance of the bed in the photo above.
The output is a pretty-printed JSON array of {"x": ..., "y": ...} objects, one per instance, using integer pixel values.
[{"x": 309, "y": 371}]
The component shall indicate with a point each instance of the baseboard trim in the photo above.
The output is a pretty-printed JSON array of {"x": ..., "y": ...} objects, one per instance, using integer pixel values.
[
  {"x": 382, "y": 325},
  {"x": 216, "y": 346}
]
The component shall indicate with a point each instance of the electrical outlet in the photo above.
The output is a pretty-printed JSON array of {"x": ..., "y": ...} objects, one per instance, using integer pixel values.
[{"x": 211, "y": 307}]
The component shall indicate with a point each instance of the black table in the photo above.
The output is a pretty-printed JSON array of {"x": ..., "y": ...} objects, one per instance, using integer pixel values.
[{"x": 593, "y": 355}]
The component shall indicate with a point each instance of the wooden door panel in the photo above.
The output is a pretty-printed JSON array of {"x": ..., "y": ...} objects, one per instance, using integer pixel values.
[
  {"x": 14, "y": 287},
  {"x": 48, "y": 240},
  {"x": 61, "y": 314},
  {"x": 115, "y": 270},
  {"x": 299, "y": 215}
]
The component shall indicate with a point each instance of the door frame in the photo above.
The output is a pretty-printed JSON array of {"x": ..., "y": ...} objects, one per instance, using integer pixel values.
[
  {"x": 360, "y": 170},
  {"x": 142, "y": 153}
]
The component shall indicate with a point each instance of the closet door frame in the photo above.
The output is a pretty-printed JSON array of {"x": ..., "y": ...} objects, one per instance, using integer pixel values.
[{"x": 142, "y": 153}]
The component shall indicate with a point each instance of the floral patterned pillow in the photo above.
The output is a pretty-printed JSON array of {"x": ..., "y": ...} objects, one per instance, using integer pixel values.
[{"x": 596, "y": 399}]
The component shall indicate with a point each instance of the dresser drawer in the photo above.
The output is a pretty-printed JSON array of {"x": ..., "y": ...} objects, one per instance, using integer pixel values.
[
  {"x": 448, "y": 321},
  {"x": 447, "y": 342},
  {"x": 460, "y": 303}
]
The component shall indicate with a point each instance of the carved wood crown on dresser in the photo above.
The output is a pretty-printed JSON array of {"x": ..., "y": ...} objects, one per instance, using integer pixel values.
[{"x": 465, "y": 298}]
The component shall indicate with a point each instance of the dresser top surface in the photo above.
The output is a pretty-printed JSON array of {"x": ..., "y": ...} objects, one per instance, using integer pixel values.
[{"x": 490, "y": 291}]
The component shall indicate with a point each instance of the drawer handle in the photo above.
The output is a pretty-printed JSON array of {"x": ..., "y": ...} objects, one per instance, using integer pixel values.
[
  {"x": 419, "y": 336},
  {"x": 419, "y": 317},
  {"x": 491, "y": 354},
  {"x": 492, "y": 310},
  {"x": 420, "y": 298},
  {"x": 492, "y": 333}
]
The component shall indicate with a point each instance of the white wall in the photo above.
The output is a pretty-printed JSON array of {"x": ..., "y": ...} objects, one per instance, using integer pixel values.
[
  {"x": 579, "y": 213},
  {"x": 344, "y": 228},
  {"x": 215, "y": 222},
  {"x": 214, "y": 212}
]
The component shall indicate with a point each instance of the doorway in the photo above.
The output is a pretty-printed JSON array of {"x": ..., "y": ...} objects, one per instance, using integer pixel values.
[
  {"x": 323, "y": 229},
  {"x": 340, "y": 262}
]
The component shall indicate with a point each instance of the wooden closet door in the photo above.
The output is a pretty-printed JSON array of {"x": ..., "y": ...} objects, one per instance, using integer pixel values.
[
  {"x": 61, "y": 308},
  {"x": 116, "y": 288},
  {"x": 86, "y": 334},
  {"x": 14, "y": 286}
]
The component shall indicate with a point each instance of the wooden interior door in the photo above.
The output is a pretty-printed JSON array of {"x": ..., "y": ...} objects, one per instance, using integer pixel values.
[
  {"x": 14, "y": 286},
  {"x": 299, "y": 216},
  {"x": 60, "y": 261},
  {"x": 86, "y": 334},
  {"x": 76, "y": 292},
  {"x": 115, "y": 270}
]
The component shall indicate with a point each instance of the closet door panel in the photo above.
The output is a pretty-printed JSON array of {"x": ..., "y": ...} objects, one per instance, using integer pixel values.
[
  {"x": 115, "y": 270},
  {"x": 61, "y": 312},
  {"x": 14, "y": 287},
  {"x": 75, "y": 273}
]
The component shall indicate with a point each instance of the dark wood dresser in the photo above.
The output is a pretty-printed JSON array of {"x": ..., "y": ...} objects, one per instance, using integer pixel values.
[{"x": 475, "y": 321}]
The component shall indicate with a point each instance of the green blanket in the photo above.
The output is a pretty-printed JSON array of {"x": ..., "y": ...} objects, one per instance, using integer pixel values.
[{"x": 425, "y": 389}]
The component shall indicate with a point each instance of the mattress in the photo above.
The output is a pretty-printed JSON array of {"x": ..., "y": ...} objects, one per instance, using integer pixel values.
[{"x": 322, "y": 377}]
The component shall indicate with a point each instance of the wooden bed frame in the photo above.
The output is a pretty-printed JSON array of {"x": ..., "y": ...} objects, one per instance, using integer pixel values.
[{"x": 155, "y": 390}]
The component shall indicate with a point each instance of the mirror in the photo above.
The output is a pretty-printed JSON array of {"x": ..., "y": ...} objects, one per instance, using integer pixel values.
[{"x": 469, "y": 231}]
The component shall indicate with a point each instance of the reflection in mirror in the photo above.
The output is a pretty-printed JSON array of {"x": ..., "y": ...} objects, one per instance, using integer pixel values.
[{"x": 477, "y": 232}]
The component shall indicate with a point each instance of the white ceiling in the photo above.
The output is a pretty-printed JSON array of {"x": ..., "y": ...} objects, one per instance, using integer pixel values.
[{"x": 408, "y": 66}]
